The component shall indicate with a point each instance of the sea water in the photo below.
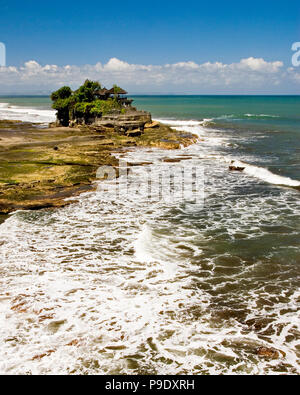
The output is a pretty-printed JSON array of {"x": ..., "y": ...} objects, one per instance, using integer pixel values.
[{"x": 132, "y": 285}]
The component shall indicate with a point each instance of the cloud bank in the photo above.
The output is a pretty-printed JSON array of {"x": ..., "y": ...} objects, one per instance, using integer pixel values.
[{"x": 251, "y": 75}]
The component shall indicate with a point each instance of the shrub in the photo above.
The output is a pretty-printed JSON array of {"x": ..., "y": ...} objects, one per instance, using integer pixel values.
[{"x": 103, "y": 107}]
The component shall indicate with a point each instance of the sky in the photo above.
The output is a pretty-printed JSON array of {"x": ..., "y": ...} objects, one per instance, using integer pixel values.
[{"x": 192, "y": 47}]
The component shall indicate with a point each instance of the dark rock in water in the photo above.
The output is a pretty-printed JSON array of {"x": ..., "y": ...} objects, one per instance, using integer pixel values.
[
  {"x": 171, "y": 160},
  {"x": 236, "y": 168},
  {"x": 135, "y": 164},
  {"x": 268, "y": 352},
  {"x": 232, "y": 167}
]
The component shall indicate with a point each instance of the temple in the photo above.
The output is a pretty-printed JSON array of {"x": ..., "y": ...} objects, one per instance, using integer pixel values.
[
  {"x": 118, "y": 94},
  {"x": 125, "y": 118},
  {"x": 99, "y": 108}
]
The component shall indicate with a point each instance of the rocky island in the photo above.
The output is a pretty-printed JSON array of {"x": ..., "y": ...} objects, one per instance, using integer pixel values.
[{"x": 41, "y": 167}]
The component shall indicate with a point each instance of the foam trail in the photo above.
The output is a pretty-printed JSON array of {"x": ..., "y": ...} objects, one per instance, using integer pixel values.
[
  {"x": 261, "y": 116},
  {"x": 197, "y": 128},
  {"x": 173, "y": 122},
  {"x": 266, "y": 175}
]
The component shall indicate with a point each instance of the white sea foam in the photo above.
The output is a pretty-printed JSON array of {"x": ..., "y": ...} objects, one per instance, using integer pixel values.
[
  {"x": 124, "y": 286},
  {"x": 26, "y": 114},
  {"x": 143, "y": 245},
  {"x": 261, "y": 116},
  {"x": 265, "y": 174},
  {"x": 115, "y": 286},
  {"x": 175, "y": 122},
  {"x": 196, "y": 127}
]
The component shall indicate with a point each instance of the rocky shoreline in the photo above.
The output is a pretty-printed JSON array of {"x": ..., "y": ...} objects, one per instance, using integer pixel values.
[{"x": 42, "y": 167}]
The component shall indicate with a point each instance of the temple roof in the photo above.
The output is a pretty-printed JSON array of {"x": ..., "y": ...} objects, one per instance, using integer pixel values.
[{"x": 120, "y": 91}]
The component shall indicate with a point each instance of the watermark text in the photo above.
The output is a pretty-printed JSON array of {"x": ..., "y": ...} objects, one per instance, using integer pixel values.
[
  {"x": 2, "y": 55},
  {"x": 296, "y": 56},
  {"x": 169, "y": 184}
]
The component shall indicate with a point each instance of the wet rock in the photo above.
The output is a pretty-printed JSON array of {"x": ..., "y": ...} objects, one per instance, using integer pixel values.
[
  {"x": 54, "y": 326},
  {"x": 99, "y": 137},
  {"x": 168, "y": 144},
  {"x": 134, "y": 133},
  {"x": 73, "y": 343},
  {"x": 41, "y": 356},
  {"x": 266, "y": 352},
  {"x": 135, "y": 164},
  {"x": 20, "y": 308},
  {"x": 233, "y": 167},
  {"x": 236, "y": 168},
  {"x": 106, "y": 142},
  {"x": 171, "y": 160},
  {"x": 46, "y": 317},
  {"x": 152, "y": 125}
]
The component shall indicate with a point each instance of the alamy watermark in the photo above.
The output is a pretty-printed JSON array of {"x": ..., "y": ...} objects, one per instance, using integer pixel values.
[
  {"x": 168, "y": 183},
  {"x": 2, "y": 55},
  {"x": 296, "y": 56}
]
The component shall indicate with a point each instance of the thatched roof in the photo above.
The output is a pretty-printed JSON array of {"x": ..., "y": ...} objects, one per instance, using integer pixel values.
[{"x": 119, "y": 92}]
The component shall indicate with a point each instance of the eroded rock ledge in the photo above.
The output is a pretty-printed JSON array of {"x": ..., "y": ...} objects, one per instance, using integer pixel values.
[{"x": 40, "y": 167}]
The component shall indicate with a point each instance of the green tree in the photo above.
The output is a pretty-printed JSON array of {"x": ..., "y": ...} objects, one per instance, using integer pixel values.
[
  {"x": 86, "y": 93},
  {"x": 62, "y": 93},
  {"x": 62, "y": 99}
]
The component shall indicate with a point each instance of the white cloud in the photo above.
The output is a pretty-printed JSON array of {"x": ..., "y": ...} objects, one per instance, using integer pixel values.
[
  {"x": 250, "y": 75},
  {"x": 115, "y": 64},
  {"x": 259, "y": 64}
]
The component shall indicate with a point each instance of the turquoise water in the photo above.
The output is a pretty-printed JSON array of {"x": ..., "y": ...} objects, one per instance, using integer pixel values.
[
  {"x": 35, "y": 102},
  {"x": 166, "y": 287},
  {"x": 260, "y": 111},
  {"x": 265, "y": 125}
]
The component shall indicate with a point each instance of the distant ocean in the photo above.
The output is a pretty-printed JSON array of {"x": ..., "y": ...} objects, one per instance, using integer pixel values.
[{"x": 131, "y": 286}]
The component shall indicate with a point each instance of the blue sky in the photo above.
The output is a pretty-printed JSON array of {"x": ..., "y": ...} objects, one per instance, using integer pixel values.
[{"x": 148, "y": 33}]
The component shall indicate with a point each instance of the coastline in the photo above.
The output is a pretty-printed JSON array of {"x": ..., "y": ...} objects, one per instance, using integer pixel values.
[{"x": 42, "y": 167}]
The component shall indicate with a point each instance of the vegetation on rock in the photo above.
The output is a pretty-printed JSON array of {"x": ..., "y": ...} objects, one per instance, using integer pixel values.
[{"x": 84, "y": 103}]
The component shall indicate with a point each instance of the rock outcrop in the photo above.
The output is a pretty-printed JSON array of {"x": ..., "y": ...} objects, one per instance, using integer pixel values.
[
  {"x": 122, "y": 123},
  {"x": 40, "y": 168}
]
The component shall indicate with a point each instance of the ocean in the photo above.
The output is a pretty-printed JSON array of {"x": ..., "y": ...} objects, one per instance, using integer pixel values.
[{"x": 165, "y": 286}]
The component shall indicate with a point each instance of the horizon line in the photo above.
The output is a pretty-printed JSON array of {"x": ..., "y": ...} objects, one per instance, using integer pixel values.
[{"x": 171, "y": 94}]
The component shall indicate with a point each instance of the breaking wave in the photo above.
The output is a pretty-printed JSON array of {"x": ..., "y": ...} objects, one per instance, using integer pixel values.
[
  {"x": 265, "y": 174},
  {"x": 26, "y": 114}
]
